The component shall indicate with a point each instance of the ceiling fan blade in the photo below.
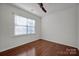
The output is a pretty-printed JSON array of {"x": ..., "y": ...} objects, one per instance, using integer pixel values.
[
  {"x": 41, "y": 6},
  {"x": 43, "y": 9}
]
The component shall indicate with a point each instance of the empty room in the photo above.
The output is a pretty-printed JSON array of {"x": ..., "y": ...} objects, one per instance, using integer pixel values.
[{"x": 39, "y": 29}]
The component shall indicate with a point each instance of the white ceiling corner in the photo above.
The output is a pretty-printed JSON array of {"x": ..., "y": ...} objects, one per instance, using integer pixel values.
[{"x": 50, "y": 7}]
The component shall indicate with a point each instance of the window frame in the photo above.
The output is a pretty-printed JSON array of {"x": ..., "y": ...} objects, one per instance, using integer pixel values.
[{"x": 24, "y": 26}]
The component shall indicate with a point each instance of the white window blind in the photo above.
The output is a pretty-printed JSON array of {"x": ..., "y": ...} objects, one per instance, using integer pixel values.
[{"x": 24, "y": 25}]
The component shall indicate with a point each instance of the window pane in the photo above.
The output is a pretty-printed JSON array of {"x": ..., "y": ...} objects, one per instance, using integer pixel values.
[
  {"x": 31, "y": 22},
  {"x": 19, "y": 20},
  {"x": 19, "y": 30},
  {"x": 31, "y": 29}
]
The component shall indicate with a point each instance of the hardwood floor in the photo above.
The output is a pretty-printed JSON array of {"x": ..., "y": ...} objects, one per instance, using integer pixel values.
[{"x": 41, "y": 48}]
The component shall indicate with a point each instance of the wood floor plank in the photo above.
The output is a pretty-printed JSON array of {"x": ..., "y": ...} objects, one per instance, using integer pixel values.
[{"x": 41, "y": 48}]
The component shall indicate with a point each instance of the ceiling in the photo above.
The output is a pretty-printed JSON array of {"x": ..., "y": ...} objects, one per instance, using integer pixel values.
[{"x": 50, "y": 7}]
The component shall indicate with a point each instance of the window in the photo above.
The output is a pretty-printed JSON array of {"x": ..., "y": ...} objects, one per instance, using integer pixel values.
[{"x": 24, "y": 25}]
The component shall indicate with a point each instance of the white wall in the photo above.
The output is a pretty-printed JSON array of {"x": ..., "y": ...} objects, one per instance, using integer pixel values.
[
  {"x": 78, "y": 24},
  {"x": 7, "y": 38},
  {"x": 61, "y": 27}
]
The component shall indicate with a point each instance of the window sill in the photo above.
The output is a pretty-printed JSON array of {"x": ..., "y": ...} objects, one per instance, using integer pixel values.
[{"x": 24, "y": 35}]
